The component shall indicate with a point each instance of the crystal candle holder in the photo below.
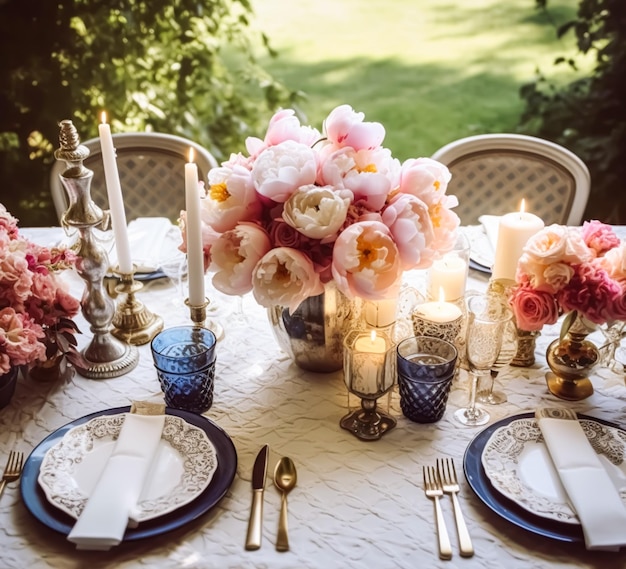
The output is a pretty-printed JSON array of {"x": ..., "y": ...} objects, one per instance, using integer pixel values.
[{"x": 369, "y": 373}]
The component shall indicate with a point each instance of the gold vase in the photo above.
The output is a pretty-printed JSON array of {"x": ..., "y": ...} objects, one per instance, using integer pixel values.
[{"x": 571, "y": 359}]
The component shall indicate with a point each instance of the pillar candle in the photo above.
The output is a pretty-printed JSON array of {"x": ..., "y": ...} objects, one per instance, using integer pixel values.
[
  {"x": 439, "y": 311},
  {"x": 368, "y": 362},
  {"x": 195, "y": 255},
  {"x": 116, "y": 202},
  {"x": 514, "y": 230},
  {"x": 381, "y": 313},
  {"x": 450, "y": 275}
]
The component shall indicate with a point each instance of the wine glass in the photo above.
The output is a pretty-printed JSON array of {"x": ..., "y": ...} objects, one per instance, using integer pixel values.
[
  {"x": 507, "y": 353},
  {"x": 487, "y": 316}
]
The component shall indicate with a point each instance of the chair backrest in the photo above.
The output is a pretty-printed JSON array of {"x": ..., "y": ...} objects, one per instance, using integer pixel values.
[
  {"x": 491, "y": 173},
  {"x": 151, "y": 170}
]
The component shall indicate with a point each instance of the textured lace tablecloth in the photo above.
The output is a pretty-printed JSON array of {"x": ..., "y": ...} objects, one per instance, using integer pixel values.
[{"x": 357, "y": 504}]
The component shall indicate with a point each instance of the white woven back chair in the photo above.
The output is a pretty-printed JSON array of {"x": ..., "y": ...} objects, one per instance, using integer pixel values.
[
  {"x": 151, "y": 170},
  {"x": 491, "y": 173}
]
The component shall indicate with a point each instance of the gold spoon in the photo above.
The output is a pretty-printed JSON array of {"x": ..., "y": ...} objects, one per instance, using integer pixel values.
[{"x": 285, "y": 478}]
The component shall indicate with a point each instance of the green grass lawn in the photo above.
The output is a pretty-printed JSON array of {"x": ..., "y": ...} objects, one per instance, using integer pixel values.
[{"x": 430, "y": 70}]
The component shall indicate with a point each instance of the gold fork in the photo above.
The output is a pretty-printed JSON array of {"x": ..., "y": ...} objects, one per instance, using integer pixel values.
[
  {"x": 13, "y": 469},
  {"x": 434, "y": 490},
  {"x": 450, "y": 484}
]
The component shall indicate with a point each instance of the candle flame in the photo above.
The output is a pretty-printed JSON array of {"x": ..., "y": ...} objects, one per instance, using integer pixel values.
[
  {"x": 373, "y": 336},
  {"x": 522, "y": 207},
  {"x": 191, "y": 155},
  {"x": 103, "y": 117}
]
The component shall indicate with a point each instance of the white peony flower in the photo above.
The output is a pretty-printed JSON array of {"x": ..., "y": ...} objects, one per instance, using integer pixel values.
[{"x": 317, "y": 212}]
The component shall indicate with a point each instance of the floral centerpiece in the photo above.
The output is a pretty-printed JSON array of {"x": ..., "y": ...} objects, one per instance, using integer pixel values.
[
  {"x": 304, "y": 208},
  {"x": 576, "y": 270},
  {"x": 35, "y": 306}
]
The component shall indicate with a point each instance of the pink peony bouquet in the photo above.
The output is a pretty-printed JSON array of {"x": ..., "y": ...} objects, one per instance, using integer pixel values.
[
  {"x": 304, "y": 208},
  {"x": 35, "y": 306},
  {"x": 566, "y": 269}
]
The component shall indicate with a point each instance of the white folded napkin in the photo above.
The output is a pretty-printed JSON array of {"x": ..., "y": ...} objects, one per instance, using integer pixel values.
[
  {"x": 105, "y": 517},
  {"x": 146, "y": 236},
  {"x": 491, "y": 224},
  {"x": 590, "y": 490}
]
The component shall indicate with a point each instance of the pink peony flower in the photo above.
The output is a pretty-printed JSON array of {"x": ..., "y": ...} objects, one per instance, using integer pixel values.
[
  {"x": 234, "y": 256},
  {"x": 231, "y": 198},
  {"x": 599, "y": 237},
  {"x": 425, "y": 178},
  {"x": 366, "y": 261},
  {"x": 280, "y": 170},
  {"x": 590, "y": 292},
  {"x": 285, "y": 277},
  {"x": 284, "y": 125},
  {"x": 19, "y": 339},
  {"x": 369, "y": 174},
  {"x": 345, "y": 127},
  {"x": 411, "y": 228}
]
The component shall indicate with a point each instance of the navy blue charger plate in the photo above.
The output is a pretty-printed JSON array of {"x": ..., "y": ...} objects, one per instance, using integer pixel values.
[
  {"x": 35, "y": 499},
  {"x": 501, "y": 505}
]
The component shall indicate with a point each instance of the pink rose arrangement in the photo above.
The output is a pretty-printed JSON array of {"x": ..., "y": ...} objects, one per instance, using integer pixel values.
[
  {"x": 35, "y": 306},
  {"x": 304, "y": 208},
  {"x": 567, "y": 269}
]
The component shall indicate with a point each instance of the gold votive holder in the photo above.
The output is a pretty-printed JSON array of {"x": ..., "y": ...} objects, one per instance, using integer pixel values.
[
  {"x": 133, "y": 323},
  {"x": 198, "y": 315}
]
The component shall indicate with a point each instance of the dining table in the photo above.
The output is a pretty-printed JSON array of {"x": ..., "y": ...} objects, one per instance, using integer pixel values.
[{"x": 356, "y": 503}]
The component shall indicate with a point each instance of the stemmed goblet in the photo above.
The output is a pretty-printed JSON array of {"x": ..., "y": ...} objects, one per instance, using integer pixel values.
[
  {"x": 487, "y": 316},
  {"x": 505, "y": 356}
]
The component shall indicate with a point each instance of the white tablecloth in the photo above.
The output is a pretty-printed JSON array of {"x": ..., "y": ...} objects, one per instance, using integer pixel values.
[{"x": 356, "y": 504}]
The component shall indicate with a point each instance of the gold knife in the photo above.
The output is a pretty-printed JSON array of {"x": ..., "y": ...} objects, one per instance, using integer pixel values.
[{"x": 255, "y": 523}]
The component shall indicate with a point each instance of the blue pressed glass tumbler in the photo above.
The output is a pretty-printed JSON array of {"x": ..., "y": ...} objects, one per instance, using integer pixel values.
[{"x": 184, "y": 357}]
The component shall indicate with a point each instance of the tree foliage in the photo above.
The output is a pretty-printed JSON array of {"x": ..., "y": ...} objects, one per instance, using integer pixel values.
[
  {"x": 588, "y": 114},
  {"x": 180, "y": 66}
]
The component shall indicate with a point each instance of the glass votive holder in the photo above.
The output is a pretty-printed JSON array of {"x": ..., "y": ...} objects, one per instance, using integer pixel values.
[
  {"x": 184, "y": 357},
  {"x": 369, "y": 373},
  {"x": 425, "y": 367},
  {"x": 442, "y": 320},
  {"x": 447, "y": 276}
]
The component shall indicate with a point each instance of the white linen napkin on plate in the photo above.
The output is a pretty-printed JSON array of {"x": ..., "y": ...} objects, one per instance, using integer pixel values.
[
  {"x": 590, "y": 490},
  {"x": 491, "y": 225},
  {"x": 146, "y": 236},
  {"x": 105, "y": 517}
]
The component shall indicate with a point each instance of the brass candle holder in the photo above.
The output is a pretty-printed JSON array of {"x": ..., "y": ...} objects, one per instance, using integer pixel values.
[
  {"x": 133, "y": 323},
  {"x": 198, "y": 315}
]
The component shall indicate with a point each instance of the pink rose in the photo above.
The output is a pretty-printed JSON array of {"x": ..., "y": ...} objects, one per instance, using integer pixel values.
[
  {"x": 533, "y": 308},
  {"x": 345, "y": 127},
  {"x": 614, "y": 262},
  {"x": 366, "y": 261},
  {"x": 599, "y": 237}
]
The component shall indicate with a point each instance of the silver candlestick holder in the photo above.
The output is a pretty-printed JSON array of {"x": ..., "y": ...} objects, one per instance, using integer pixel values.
[
  {"x": 198, "y": 315},
  {"x": 106, "y": 356}
]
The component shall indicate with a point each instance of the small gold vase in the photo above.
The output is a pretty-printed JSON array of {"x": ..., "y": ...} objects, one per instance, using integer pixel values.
[{"x": 571, "y": 359}]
